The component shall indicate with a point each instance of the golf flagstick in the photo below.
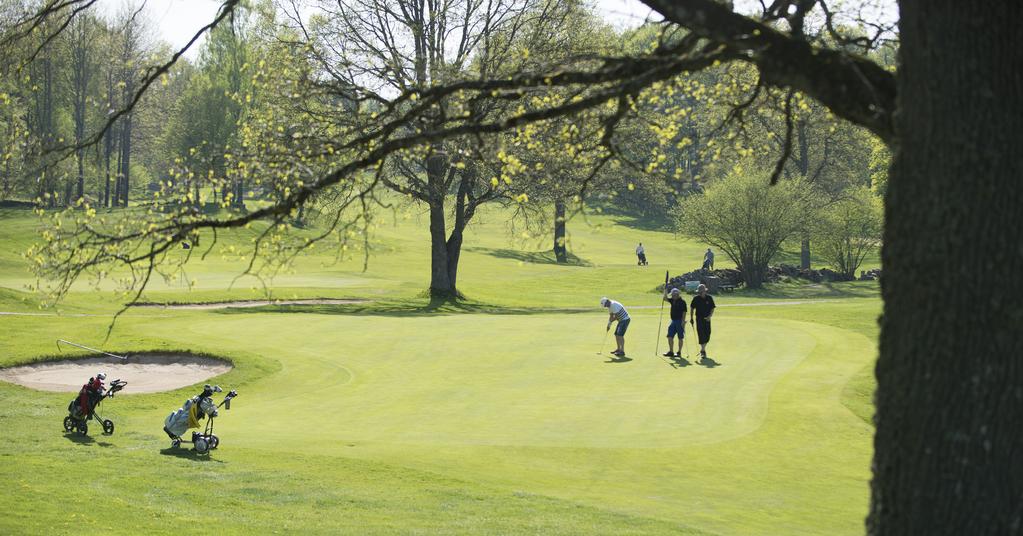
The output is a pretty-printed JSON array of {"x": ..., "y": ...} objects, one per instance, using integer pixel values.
[{"x": 660, "y": 319}]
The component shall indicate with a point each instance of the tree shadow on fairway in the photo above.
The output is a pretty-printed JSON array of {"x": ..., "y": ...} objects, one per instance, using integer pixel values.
[
  {"x": 531, "y": 257},
  {"x": 80, "y": 439},
  {"x": 421, "y": 306},
  {"x": 188, "y": 454}
]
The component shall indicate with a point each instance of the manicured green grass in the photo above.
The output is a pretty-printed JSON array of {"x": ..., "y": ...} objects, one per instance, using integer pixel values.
[{"x": 492, "y": 416}]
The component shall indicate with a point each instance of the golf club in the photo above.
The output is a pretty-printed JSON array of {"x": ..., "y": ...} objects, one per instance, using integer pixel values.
[
  {"x": 604, "y": 342},
  {"x": 87, "y": 348}
]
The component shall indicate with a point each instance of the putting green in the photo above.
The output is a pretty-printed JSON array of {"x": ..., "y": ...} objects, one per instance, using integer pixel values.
[{"x": 545, "y": 388}]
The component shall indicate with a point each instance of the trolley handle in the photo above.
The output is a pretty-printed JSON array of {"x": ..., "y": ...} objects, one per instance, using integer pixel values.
[{"x": 227, "y": 399}]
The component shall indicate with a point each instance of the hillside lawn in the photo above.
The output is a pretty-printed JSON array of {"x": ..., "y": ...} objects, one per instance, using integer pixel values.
[{"x": 493, "y": 415}]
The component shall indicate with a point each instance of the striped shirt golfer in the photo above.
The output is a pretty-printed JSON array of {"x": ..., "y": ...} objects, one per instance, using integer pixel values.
[{"x": 619, "y": 311}]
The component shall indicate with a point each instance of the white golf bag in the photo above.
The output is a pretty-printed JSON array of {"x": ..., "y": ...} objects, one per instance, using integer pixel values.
[{"x": 189, "y": 415}]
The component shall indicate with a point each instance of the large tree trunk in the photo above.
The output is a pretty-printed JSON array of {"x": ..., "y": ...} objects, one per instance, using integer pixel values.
[
  {"x": 752, "y": 274},
  {"x": 442, "y": 285},
  {"x": 108, "y": 140},
  {"x": 560, "y": 249},
  {"x": 950, "y": 376},
  {"x": 804, "y": 169},
  {"x": 125, "y": 173}
]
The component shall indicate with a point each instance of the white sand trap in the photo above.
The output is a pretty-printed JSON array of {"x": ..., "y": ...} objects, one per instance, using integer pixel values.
[
  {"x": 251, "y": 303},
  {"x": 145, "y": 373}
]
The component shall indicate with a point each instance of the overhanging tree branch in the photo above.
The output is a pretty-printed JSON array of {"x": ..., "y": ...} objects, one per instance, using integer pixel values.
[{"x": 852, "y": 87}]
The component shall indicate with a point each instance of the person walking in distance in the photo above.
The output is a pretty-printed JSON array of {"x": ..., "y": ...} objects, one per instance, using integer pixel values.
[
  {"x": 708, "y": 260},
  {"x": 677, "y": 326},
  {"x": 617, "y": 313},
  {"x": 641, "y": 255},
  {"x": 702, "y": 308}
]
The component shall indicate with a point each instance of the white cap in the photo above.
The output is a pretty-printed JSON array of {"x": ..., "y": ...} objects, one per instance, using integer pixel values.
[
  {"x": 101, "y": 376},
  {"x": 604, "y": 301},
  {"x": 676, "y": 291}
]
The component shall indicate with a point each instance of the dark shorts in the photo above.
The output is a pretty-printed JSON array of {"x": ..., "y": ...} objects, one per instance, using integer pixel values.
[
  {"x": 703, "y": 330},
  {"x": 676, "y": 327},
  {"x": 623, "y": 326}
]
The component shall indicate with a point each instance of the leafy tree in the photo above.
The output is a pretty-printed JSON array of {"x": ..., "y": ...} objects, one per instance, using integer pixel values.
[
  {"x": 747, "y": 218},
  {"x": 850, "y": 229},
  {"x": 368, "y": 50},
  {"x": 80, "y": 45},
  {"x": 947, "y": 428}
]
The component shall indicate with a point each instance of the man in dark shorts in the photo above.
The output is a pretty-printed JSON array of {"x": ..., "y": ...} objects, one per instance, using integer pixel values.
[
  {"x": 617, "y": 313},
  {"x": 702, "y": 308},
  {"x": 677, "y": 327}
]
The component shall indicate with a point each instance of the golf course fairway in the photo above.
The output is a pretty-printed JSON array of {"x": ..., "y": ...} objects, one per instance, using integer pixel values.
[{"x": 496, "y": 415}]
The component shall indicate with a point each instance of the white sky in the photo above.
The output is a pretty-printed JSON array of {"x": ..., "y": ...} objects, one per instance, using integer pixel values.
[{"x": 176, "y": 21}]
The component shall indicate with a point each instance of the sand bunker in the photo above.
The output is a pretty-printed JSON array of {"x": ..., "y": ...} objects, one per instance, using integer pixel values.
[
  {"x": 145, "y": 373},
  {"x": 251, "y": 303}
]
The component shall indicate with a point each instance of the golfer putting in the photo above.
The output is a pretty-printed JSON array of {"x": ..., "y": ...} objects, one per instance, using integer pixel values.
[
  {"x": 702, "y": 307},
  {"x": 677, "y": 327},
  {"x": 617, "y": 313}
]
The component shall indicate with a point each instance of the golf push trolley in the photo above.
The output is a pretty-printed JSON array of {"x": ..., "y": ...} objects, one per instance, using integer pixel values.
[
  {"x": 191, "y": 413},
  {"x": 77, "y": 419}
]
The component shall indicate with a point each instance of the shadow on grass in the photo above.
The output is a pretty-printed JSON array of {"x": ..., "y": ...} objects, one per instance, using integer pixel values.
[
  {"x": 80, "y": 439},
  {"x": 532, "y": 257},
  {"x": 188, "y": 454},
  {"x": 796, "y": 289},
  {"x": 617, "y": 359},
  {"x": 679, "y": 362},
  {"x": 406, "y": 308},
  {"x": 708, "y": 362},
  {"x": 640, "y": 222}
]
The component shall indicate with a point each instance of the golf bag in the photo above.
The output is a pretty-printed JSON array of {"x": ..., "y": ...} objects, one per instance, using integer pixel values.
[
  {"x": 191, "y": 413},
  {"x": 90, "y": 397}
]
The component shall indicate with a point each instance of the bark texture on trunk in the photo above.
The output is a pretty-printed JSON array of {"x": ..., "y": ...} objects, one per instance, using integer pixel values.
[
  {"x": 949, "y": 436},
  {"x": 560, "y": 249},
  {"x": 442, "y": 282}
]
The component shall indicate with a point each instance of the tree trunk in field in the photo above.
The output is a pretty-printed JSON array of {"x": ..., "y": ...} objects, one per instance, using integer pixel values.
[
  {"x": 752, "y": 274},
  {"x": 950, "y": 376},
  {"x": 560, "y": 249},
  {"x": 803, "y": 162},
  {"x": 442, "y": 274},
  {"x": 239, "y": 194},
  {"x": 125, "y": 173},
  {"x": 441, "y": 284},
  {"x": 107, "y": 149},
  {"x": 108, "y": 140}
]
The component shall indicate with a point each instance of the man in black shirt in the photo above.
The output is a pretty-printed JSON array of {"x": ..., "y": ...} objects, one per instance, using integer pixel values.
[
  {"x": 678, "y": 318},
  {"x": 702, "y": 308}
]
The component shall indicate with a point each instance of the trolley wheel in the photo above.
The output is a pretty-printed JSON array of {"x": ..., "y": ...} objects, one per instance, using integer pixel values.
[
  {"x": 108, "y": 427},
  {"x": 69, "y": 424},
  {"x": 202, "y": 445},
  {"x": 214, "y": 441},
  {"x": 83, "y": 428},
  {"x": 175, "y": 443}
]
